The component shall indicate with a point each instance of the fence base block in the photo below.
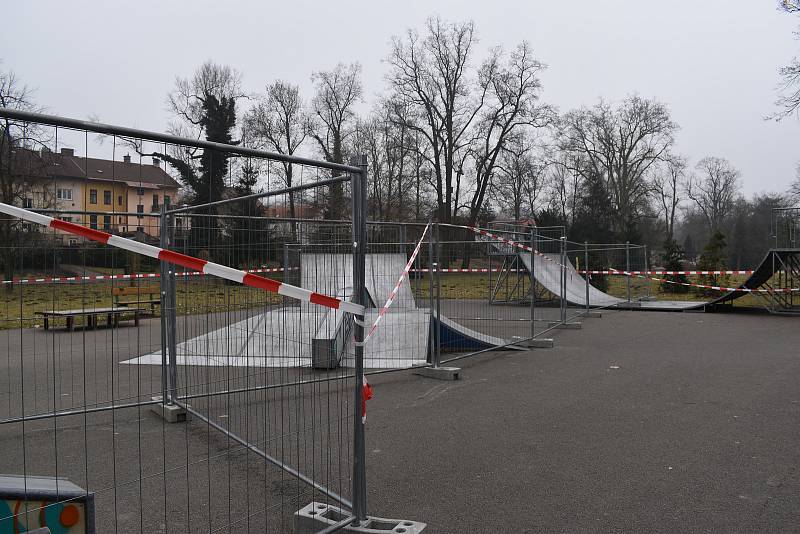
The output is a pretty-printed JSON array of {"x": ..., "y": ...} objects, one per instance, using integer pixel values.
[
  {"x": 565, "y": 326},
  {"x": 171, "y": 413},
  {"x": 592, "y": 315},
  {"x": 317, "y": 516},
  {"x": 439, "y": 373},
  {"x": 539, "y": 343}
]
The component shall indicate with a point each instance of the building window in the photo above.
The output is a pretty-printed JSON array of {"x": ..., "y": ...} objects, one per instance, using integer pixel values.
[
  {"x": 107, "y": 198},
  {"x": 155, "y": 202},
  {"x": 66, "y": 219},
  {"x": 64, "y": 194},
  {"x": 140, "y": 210},
  {"x": 120, "y": 220},
  {"x": 92, "y": 196},
  {"x": 93, "y": 222},
  {"x": 119, "y": 200},
  {"x": 73, "y": 242},
  {"x": 27, "y": 203},
  {"x": 166, "y": 200},
  {"x": 140, "y": 191},
  {"x": 107, "y": 222}
]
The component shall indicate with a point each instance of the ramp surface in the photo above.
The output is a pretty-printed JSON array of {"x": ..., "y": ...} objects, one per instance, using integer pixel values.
[
  {"x": 282, "y": 337},
  {"x": 547, "y": 272},
  {"x": 327, "y": 273}
]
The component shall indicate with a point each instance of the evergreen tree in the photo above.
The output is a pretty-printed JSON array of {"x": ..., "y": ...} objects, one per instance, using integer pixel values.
[
  {"x": 673, "y": 261},
  {"x": 712, "y": 259},
  {"x": 593, "y": 224}
]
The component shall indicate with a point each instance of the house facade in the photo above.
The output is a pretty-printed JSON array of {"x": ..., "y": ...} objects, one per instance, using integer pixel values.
[{"x": 121, "y": 197}]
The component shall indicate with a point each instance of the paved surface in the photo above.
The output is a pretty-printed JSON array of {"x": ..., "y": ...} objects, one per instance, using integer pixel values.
[{"x": 640, "y": 422}]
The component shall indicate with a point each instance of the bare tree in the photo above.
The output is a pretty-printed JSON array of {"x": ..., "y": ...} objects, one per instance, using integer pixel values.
[
  {"x": 667, "y": 186},
  {"x": 564, "y": 184},
  {"x": 511, "y": 87},
  {"x": 518, "y": 182},
  {"x": 432, "y": 85},
  {"x": 794, "y": 189},
  {"x": 19, "y": 163},
  {"x": 714, "y": 189},
  {"x": 390, "y": 153},
  {"x": 278, "y": 122},
  {"x": 789, "y": 101},
  {"x": 338, "y": 91},
  {"x": 620, "y": 143},
  {"x": 204, "y": 106}
]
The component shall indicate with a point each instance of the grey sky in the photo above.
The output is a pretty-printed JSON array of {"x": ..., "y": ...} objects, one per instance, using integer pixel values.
[{"x": 714, "y": 62}]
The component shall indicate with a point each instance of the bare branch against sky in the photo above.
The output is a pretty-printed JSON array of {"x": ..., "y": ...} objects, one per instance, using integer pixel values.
[{"x": 714, "y": 63}]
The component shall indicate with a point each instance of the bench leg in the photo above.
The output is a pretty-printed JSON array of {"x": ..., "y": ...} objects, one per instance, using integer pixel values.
[
  {"x": 46, "y": 322},
  {"x": 70, "y": 323}
]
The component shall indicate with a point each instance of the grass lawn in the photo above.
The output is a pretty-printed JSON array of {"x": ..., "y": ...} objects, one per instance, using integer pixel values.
[
  {"x": 199, "y": 295},
  {"x": 202, "y": 295}
]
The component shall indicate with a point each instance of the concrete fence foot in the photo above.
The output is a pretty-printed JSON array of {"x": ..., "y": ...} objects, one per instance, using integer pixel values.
[
  {"x": 565, "y": 326},
  {"x": 538, "y": 343},
  {"x": 439, "y": 373},
  {"x": 171, "y": 413},
  {"x": 318, "y": 516}
]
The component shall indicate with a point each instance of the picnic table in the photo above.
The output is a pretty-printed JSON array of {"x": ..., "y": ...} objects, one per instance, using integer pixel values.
[
  {"x": 113, "y": 314},
  {"x": 142, "y": 295}
]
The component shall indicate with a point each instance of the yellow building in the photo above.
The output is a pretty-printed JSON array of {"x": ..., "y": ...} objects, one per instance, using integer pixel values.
[{"x": 121, "y": 197}]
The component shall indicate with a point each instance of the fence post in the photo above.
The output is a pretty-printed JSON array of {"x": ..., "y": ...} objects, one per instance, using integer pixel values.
[
  {"x": 647, "y": 274},
  {"x": 586, "y": 272},
  {"x": 432, "y": 359},
  {"x": 172, "y": 322},
  {"x": 533, "y": 281},
  {"x": 164, "y": 292},
  {"x": 628, "y": 267},
  {"x": 359, "y": 193},
  {"x": 563, "y": 279},
  {"x": 438, "y": 296}
]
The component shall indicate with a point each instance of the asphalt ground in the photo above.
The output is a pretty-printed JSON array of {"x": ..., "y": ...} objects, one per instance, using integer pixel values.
[{"x": 639, "y": 422}]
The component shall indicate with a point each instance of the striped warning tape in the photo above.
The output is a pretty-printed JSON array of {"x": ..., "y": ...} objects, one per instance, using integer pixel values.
[
  {"x": 469, "y": 270},
  {"x": 189, "y": 262},
  {"x": 706, "y": 286},
  {"x": 133, "y": 276},
  {"x": 394, "y": 292},
  {"x": 612, "y": 271}
]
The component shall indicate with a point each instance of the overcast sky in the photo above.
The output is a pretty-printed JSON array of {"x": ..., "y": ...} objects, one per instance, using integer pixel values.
[{"x": 714, "y": 62}]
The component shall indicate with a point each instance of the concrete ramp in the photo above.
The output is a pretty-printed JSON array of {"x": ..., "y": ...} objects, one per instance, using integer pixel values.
[
  {"x": 327, "y": 273},
  {"x": 283, "y": 338},
  {"x": 459, "y": 338},
  {"x": 286, "y": 336},
  {"x": 548, "y": 273}
]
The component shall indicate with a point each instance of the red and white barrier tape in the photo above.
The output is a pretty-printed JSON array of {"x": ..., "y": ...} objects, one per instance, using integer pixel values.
[
  {"x": 612, "y": 271},
  {"x": 133, "y": 276},
  {"x": 715, "y": 288},
  {"x": 189, "y": 262},
  {"x": 394, "y": 292},
  {"x": 469, "y": 270}
]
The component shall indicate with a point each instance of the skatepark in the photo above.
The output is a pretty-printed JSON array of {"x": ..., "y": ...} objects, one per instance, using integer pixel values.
[{"x": 491, "y": 378}]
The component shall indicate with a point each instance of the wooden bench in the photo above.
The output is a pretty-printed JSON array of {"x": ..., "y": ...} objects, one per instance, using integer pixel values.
[
  {"x": 150, "y": 295},
  {"x": 113, "y": 316}
]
